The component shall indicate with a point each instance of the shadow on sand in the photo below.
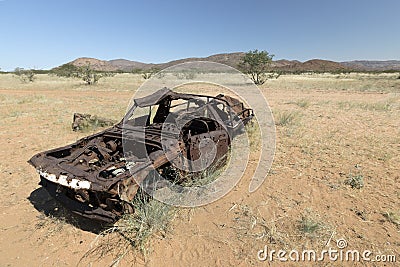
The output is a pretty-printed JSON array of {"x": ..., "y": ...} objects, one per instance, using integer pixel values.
[{"x": 47, "y": 205}]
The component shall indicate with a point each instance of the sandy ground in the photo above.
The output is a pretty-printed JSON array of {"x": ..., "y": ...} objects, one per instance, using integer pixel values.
[{"x": 340, "y": 127}]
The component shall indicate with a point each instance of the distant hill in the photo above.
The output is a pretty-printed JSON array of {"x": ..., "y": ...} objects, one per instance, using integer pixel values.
[
  {"x": 128, "y": 65},
  {"x": 282, "y": 63},
  {"x": 230, "y": 59},
  {"x": 314, "y": 65},
  {"x": 233, "y": 59},
  {"x": 96, "y": 64},
  {"x": 367, "y": 65}
]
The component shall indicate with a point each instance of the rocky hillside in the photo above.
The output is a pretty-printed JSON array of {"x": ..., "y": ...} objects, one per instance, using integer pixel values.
[
  {"x": 128, "y": 65},
  {"x": 373, "y": 65},
  {"x": 233, "y": 59},
  {"x": 316, "y": 65},
  {"x": 96, "y": 64}
]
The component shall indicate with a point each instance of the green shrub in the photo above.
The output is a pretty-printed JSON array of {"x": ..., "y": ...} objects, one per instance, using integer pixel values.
[
  {"x": 355, "y": 181},
  {"x": 25, "y": 75}
]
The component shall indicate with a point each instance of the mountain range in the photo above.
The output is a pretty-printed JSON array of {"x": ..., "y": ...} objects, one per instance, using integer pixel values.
[{"x": 233, "y": 59}]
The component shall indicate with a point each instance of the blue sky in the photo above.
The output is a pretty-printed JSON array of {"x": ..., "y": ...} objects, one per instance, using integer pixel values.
[{"x": 43, "y": 34}]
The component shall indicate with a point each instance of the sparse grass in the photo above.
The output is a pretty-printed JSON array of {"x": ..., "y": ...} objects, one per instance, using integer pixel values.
[
  {"x": 355, "y": 181},
  {"x": 206, "y": 176},
  {"x": 151, "y": 217},
  {"x": 308, "y": 225},
  {"x": 196, "y": 179},
  {"x": 363, "y": 214},
  {"x": 87, "y": 123},
  {"x": 360, "y": 82},
  {"x": 377, "y": 106},
  {"x": 50, "y": 224},
  {"x": 32, "y": 99},
  {"x": 46, "y": 82},
  {"x": 303, "y": 103},
  {"x": 133, "y": 232},
  {"x": 15, "y": 114},
  {"x": 253, "y": 133},
  {"x": 311, "y": 225},
  {"x": 44, "y": 221},
  {"x": 286, "y": 118},
  {"x": 393, "y": 217},
  {"x": 21, "y": 100},
  {"x": 249, "y": 225}
]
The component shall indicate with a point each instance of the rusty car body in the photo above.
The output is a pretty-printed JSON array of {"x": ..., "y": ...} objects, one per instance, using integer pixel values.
[{"x": 93, "y": 178}]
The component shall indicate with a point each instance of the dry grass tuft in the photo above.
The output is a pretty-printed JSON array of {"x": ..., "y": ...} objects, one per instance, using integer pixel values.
[
  {"x": 303, "y": 103},
  {"x": 393, "y": 217},
  {"x": 133, "y": 232},
  {"x": 355, "y": 181},
  {"x": 286, "y": 118},
  {"x": 253, "y": 134},
  {"x": 248, "y": 224},
  {"x": 311, "y": 225}
]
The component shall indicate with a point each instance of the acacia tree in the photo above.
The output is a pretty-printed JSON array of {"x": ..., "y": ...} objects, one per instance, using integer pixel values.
[
  {"x": 25, "y": 75},
  {"x": 86, "y": 73},
  {"x": 257, "y": 64},
  {"x": 67, "y": 70},
  {"x": 147, "y": 74}
]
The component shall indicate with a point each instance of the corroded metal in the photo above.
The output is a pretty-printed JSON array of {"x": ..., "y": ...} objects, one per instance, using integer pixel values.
[{"x": 93, "y": 177}]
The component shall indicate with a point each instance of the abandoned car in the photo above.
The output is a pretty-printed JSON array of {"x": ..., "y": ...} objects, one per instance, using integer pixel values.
[{"x": 93, "y": 177}]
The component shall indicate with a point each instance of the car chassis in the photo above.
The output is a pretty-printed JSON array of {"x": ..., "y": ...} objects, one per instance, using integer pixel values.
[{"x": 94, "y": 178}]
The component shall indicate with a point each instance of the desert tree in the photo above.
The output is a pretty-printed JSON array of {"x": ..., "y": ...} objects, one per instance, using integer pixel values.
[
  {"x": 25, "y": 75},
  {"x": 91, "y": 76},
  {"x": 67, "y": 70},
  {"x": 147, "y": 74},
  {"x": 256, "y": 64},
  {"x": 86, "y": 73},
  {"x": 137, "y": 71}
]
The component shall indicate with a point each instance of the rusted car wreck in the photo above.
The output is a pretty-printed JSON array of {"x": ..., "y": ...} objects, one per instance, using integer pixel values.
[{"x": 93, "y": 177}]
